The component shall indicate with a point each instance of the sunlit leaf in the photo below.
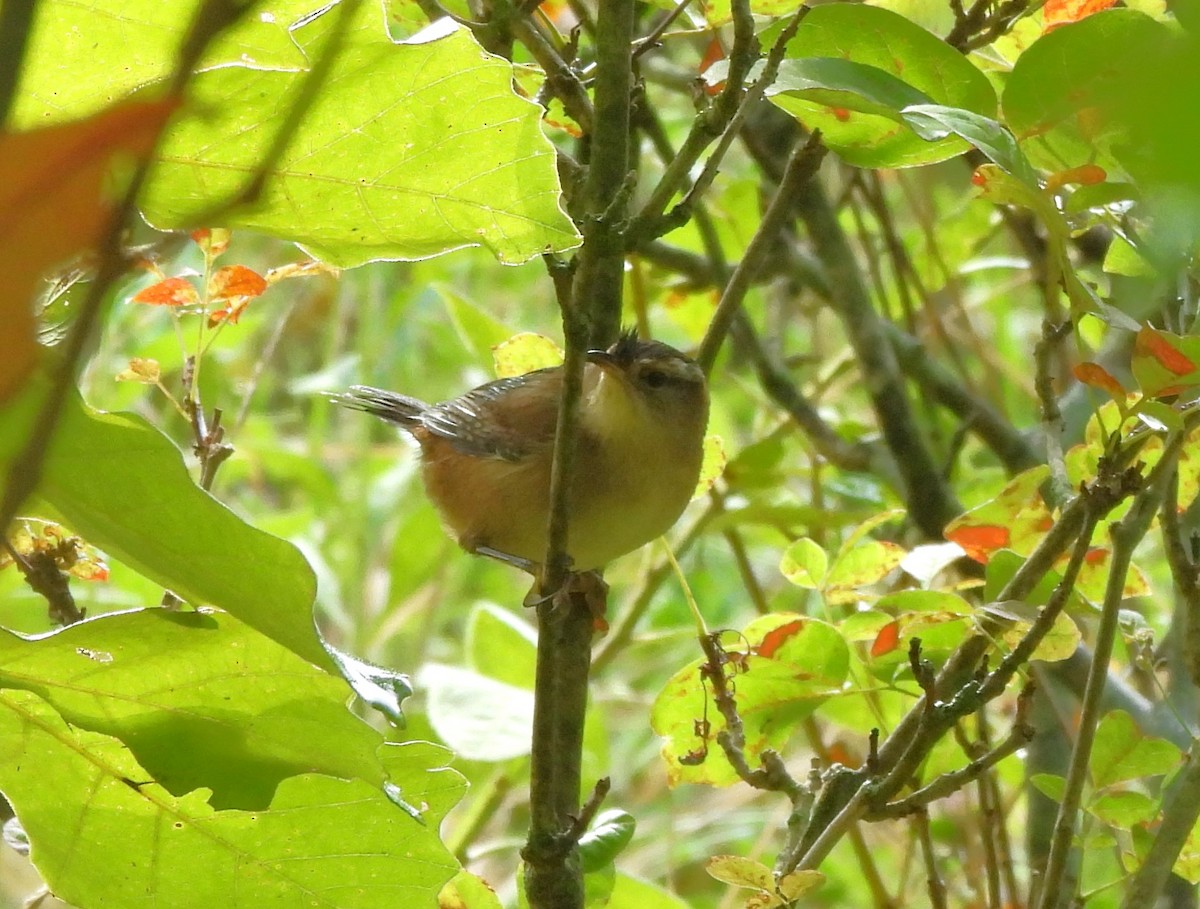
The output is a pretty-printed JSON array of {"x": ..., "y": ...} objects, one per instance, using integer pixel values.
[
  {"x": 525, "y": 352},
  {"x": 168, "y": 292},
  {"x": 859, "y": 66},
  {"x": 316, "y": 825},
  {"x": 235, "y": 281},
  {"x": 804, "y": 563},
  {"x": 1015, "y": 519}
]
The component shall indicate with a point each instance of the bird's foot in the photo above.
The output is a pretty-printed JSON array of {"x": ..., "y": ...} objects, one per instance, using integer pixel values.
[{"x": 587, "y": 586}]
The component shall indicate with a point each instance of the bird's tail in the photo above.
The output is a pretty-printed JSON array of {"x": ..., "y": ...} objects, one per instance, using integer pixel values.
[{"x": 399, "y": 409}]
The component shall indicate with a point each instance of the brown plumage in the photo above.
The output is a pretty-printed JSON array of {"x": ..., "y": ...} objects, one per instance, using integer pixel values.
[{"x": 487, "y": 454}]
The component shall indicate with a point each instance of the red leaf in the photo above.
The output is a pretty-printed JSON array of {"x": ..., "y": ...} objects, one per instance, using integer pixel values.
[
  {"x": 169, "y": 292},
  {"x": 235, "y": 281},
  {"x": 1151, "y": 343},
  {"x": 979, "y": 540},
  {"x": 777, "y": 637},
  {"x": 1097, "y": 376},
  {"x": 887, "y": 640}
]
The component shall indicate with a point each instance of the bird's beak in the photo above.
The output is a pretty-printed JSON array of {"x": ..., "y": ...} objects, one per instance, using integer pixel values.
[{"x": 605, "y": 361}]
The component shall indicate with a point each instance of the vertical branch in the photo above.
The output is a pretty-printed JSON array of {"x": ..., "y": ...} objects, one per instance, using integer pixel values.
[
  {"x": 931, "y": 504},
  {"x": 1126, "y": 534},
  {"x": 591, "y": 315}
]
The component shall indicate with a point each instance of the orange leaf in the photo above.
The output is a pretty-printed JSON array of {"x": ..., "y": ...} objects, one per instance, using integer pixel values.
[
  {"x": 1097, "y": 376},
  {"x": 1084, "y": 175},
  {"x": 230, "y": 312},
  {"x": 777, "y": 637},
  {"x": 979, "y": 540},
  {"x": 53, "y": 205},
  {"x": 1057, "y": 13},
  {"x": 169, "y": 292},
  {"x": 712, "y": 54},
  {"x": 887, "y": 640},
  {"x": 235, "y": 281},
  {"x": 1151, "y": 343}
]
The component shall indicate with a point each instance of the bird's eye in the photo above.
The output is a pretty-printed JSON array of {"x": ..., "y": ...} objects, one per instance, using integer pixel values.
[{"x": 655, "y": 378}]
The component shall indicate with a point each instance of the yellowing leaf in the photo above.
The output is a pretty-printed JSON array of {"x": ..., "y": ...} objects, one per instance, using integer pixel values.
[
  {"x": 711, "y": 466},
  {"x": 524, "y": 353},
  {"x": 53, "y": 206},
  {"x": 1015, "y": 519},
  {"x": 140, "y": 370}
]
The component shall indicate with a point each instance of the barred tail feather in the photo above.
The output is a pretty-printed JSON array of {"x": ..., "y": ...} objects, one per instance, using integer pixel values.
[{"x": 387, "y": 405}]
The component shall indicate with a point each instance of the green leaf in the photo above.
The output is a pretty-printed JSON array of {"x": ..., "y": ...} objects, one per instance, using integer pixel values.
[
  {"x": 1122, "y": 752},
  {"x": 792, "y": 664},
  {"x": 502, "y": 646},
  {"x": 200, "y": 700},
  {"x": 82, "y": 57},
  {"x": 934, "y": 122},
  {"x": 480, "y": 718},
  {"x": 96, "y": 475},
  {"x": 889, "y": 64},
  {"x": 804, "y": 563},
  {"x": 860, "y": 566},
  {"x": 1187, "y": 866},
  {"x": 1055, "y": 95},
  {"x": 845, "y": 84},
  {"x": 610, "y": 833},
  {"x": 466, "y": 891},
  {"x": 408, "y": 151},
  {"x": 925, "y": 601},
  {"x": 632, "y": 893},
  {"x": 741, "y": 872},
  {"x": 1050, "y": 785},
  {"x": 1123, "y": 809},
  {"x": 322, "y": 841}
]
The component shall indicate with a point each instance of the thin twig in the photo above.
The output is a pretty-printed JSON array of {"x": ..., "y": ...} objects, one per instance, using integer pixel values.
[
  {"x": 706, "y": 128},
  {"x": 947, "y": 784},
  {"x": 801, "y": 166}
]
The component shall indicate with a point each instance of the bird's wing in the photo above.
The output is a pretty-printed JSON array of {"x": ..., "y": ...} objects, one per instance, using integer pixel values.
[{"x": 507, "y": 419}]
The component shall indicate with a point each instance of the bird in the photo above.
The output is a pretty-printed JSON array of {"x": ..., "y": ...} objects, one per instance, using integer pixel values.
[{"x": 486, "y": 456}]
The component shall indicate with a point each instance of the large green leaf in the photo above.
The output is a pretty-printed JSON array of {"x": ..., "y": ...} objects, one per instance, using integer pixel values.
[
  {"x": 1057, "y": 94},
  {"x": 870, "y": 64},
  {"x": 104, "y": 834},
  {"x": 82, "y": 57},
  {"x": 200, "y": 700},
  {"x": 408, "y": 150},
  {"x": 122, "y": 485}
]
